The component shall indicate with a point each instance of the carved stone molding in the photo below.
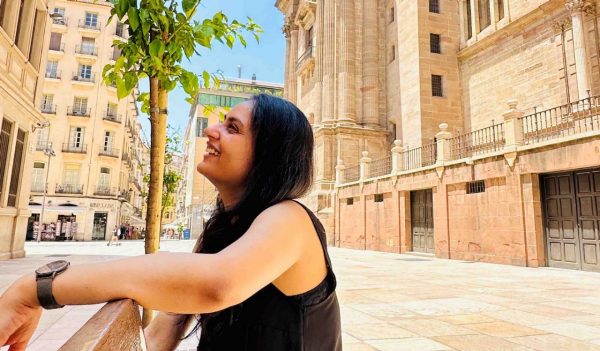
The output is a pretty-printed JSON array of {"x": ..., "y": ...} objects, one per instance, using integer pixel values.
[
  {"x": 288, "y": 27},
  {"x": 562, "y": 24},
  {"x": 579, "y": 5}
]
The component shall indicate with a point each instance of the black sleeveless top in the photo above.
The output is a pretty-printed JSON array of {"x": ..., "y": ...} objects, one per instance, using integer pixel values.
[{"x": 272, "y": 321}]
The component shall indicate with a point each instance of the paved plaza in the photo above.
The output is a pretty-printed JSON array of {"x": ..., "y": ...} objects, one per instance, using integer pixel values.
[{"x": 396, "y": 302}]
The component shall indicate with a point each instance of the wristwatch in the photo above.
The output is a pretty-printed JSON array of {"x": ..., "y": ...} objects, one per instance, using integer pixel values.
[{"x": 44, "y": 276}]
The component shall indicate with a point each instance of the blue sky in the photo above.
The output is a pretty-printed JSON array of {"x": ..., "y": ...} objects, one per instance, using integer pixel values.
[{"x": 266, "y": 59}]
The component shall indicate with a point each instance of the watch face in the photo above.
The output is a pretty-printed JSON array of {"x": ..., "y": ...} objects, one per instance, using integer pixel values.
[{"x": 52, "y": 268}]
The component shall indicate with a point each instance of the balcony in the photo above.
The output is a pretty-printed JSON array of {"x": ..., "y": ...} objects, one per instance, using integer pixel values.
[
  {"x": 56, "y": 51},
  {"x": 84, "y": 79},
  {"x": 74, "y": 149},
  {"x": 306, "y": 60},
  {"x": 124, "y": 194},
  {"x": 112, "y": 117},
  {"x": 69, "y": 189},
  {"x": 89, "y": 25},
  {"x": 53, "y": 75},
  {"x": 86, "y": 50},
  {"x": 105, "y": 191},
  {"x": 48, "y": 109},
  {"x": 38, "y": 187},
  {"x": 60, "y": 21},
  {"x": 79, "y": 111},
  {"x": 43, "y": 145},
  {"x": 109, "y": 151}
]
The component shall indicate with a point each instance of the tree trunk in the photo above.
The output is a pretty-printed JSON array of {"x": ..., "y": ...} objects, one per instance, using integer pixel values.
[{"x": 158, "y": 125}]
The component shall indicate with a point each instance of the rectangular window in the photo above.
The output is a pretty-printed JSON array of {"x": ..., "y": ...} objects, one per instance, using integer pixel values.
[
  {"x": 91, "y": 20},
  {"x": 392, "y": 14},
  {"x": 434, "y": 43},
  {"x": 43, "y": 137},
  {"x": 77, "y": 134},
  {"x": 436, "y": 85},
  {"x": 56, "y": 42},
  {"x": 2, "y": 11},
  {"x": 476, "y": 187},
  {"x": 80, "y": 105},
  {"x": 59, "y": 16},
  {"x": 111, "y": 110},
  {"x": 202, "y": 123},
  {"x": 104, "y": 180},
  {"x": 434, "y": 6},
  {"x": 392, "y": 53},
  {"x": 52, "y": 69},
  {"x": 88, "y": 46},
  {"x": 469, "y": 20},
  {"x": 37, "y": 179},
  {"x": 16, "y": 169},
  {"x": 350, "y": 201},
  {"x": 71, "y": 175},
  {"x": 20, "y": 15},
  {"x": 47, "y": 102},
  {"x": 108, "y": 141},
  {"x": 484, "y": 14},
  {"x": 378, "y": 197},
  {"x": 5, "y": 134},
  {"x": 85, "y": 72},
  {"x": 500, "y": 9}
]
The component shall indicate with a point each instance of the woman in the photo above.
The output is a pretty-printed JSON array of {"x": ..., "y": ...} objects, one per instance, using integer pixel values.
[{"x": 261, "y": 276}]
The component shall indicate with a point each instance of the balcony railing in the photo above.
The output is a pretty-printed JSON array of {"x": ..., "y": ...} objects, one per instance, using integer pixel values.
[
  {"x": 352, "y": 174},
  {"x": 43, "y": 145},
  {"x": 69, "y": 189},
  {"x": 569, "y": 119},
  {"x": 83, "y": 24},
  {"x": 75, "y": 149},
  {"x": 38, "y": 187},
  {"x": 79, "y": 111},
  {"x": 85, "y": 79},
  {"x": 124, "y": 194},
  {"x": 112, "y": 117},
  {"x": 61, "y": 21},
  {"x": 53, "y": 74},
  {"x": 109, "y": 151},
  {"x": 86, "y": 50},
  {"x": 380, "y": 167},
  {"x": 307, "y": 53},
  {"x": 48, "y": 108},
  {"x": 419, "y": 157},
  {"x": 105, "y": 191},
  {"x": 478, "y": 142},
  {"x": 57, "y": 47}
]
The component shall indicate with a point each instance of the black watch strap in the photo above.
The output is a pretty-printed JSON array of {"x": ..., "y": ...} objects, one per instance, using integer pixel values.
[{"x": 44, "y": 293}]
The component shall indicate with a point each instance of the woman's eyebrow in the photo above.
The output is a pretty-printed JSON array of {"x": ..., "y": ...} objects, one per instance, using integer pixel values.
[{"x": 234, "y": 119}]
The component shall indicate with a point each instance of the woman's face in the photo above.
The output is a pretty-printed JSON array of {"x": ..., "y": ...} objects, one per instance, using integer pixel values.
[{"x": 228, "y": 155}]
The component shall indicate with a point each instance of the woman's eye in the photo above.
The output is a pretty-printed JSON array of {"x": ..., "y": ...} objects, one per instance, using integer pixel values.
[{"x": 232, "y": 128}]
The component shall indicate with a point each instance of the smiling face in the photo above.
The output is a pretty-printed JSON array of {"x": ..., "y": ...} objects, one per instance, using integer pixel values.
[{"x": 228, "y": 157}]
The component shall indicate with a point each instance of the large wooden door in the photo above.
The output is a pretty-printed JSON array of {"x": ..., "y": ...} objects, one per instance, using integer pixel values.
[
  {"x": 572, "y": 219},
  {"x": 421, "y": 209}
]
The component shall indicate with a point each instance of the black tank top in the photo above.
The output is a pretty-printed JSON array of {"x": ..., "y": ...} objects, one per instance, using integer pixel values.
[{"x": 272, "y": 321}]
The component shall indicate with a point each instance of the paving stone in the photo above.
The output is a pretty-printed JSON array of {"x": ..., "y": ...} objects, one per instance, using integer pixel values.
[
  {"x": 432, "y": 327},
  {"x": 554, "y": 342},
  {"x": 479, "y": 343},
  {"x": 503, "y": 329},
  {"x": 408, "y": 344}
]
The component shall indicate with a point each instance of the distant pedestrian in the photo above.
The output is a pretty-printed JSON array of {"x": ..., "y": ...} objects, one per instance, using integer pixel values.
[{"x": 116, "y": 232}]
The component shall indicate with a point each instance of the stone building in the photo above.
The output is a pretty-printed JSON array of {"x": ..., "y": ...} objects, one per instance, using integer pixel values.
[
  {"x": 93, "y": 180},
  {"x": 24, "y": 31},
  {"x": 463, "y": 128},
  {"x": 210, "y": 105}
]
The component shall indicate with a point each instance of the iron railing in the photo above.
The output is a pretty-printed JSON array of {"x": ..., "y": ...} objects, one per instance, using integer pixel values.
[
  {"x": 112, "y": 117},
  {"x": 380, "y": 167},
  {"x": 53, "y": 74},
  {"x": 86, "y": 50},
  {"x": 43, "y": 145},
  {"x": 57, "y": 47},
  {"x": 569, "y": 119},
  {"x": 79, "y": 112},
  {"x": 419, "y": 157},
  {"x": 48, "y": 108},
  {"x": 93, "y": 25},
  {"x": 61, "y": 21},
  {"x": 108, "y": 151},
  {"x": 75, "y": 149},
  {"x": 105, "y": 191},
  {"x": 69, "y": 189},
  {"x": 352, "y": 174},
  {"x": 38, "y": 187},
  {"x": 83, "y": 78},
  {"x": 477, "y": 142}
]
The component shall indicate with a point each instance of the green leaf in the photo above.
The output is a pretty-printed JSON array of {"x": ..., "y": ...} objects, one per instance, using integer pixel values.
[
  {"x": 122, "y": 8},
  {"x": 157, "y": 48},
  {"x": 189, "y": 82},
  {"x": 206, "y": 77},
  {"x": 133, "y": 18},
  {"x": 188, "y": 7}
]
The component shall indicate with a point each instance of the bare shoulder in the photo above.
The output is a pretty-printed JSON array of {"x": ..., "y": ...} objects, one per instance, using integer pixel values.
[
  {"x": 288, "y": 210},
  {"x": 286, "y": 217}
]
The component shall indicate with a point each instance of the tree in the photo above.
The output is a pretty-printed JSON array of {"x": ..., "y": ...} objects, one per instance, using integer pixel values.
[
  {"x": 172, "y": 177},
  {"x": 161, "y": 34}
]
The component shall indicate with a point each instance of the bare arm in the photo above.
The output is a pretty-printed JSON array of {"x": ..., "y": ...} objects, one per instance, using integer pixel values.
[{"x": 166, "y": 331}]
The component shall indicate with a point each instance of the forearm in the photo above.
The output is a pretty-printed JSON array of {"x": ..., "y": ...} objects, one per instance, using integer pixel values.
[
  {"x": 180, "y": 283},
  {"x": 166, "y": 331}
]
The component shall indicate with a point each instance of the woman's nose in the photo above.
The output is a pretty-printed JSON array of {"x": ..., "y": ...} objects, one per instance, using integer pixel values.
[{"x": 211, "y": 131}]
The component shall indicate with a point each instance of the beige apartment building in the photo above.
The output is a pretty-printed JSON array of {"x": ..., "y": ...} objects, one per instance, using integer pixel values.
[
  {"x": 200, "y": 194},
  {"x": 87, "y": 167},
  {"x": 24, "y": 31},
  {"x": 468, "y": 129}
]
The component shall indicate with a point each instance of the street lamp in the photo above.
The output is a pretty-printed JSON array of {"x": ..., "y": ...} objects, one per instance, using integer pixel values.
[{"x": 48, "y": 152}]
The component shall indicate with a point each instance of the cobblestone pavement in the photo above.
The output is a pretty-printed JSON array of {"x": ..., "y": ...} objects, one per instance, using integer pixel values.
[{"x": 396, "y": 302}]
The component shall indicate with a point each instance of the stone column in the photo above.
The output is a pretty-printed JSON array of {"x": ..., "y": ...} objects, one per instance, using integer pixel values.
[
  {"x": 474, "y": 18},
  {"x": 370, "y": 65},
  {"x": 339, "y": 172},
  {"x": 443, "y": 144},
  {"x": 364, "y": 165},
  {"x": 293, "y": 95},
  {"x": 329, "y": 53},
  {"x": 513, "y": 126},
  {"x": 397, "y": 156},
  {"x": 582, "y": 67},
  {"x": 462, "y": 14},
  {"x": 288, "y": 67},
  {"x": 346, "y": 81},
  {"x": 318, "y": 89}
]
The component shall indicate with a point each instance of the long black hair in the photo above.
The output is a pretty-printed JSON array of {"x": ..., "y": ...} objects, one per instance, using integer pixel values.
[{"x": 281, "y": 169}]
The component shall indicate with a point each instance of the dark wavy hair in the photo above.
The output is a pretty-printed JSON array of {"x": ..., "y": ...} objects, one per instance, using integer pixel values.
[{"x": 282, "y": 169}]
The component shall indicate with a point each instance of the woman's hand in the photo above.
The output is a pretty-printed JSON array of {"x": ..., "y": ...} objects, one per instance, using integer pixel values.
[{"x": 19, "y": 315}]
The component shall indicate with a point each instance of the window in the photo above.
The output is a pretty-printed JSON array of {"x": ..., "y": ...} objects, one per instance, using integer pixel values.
[
  {"x": 111, "y": 110},
  {"x": 484, "y": 14},
  {"x": 43, "y": 137},
  {"x": 500, "y": 9},
  {"x": 392, "y": 53},
  {"x": 350, "y": 201},
  {"x": 85, "y": 72},
  {"x": 2, "y": 10},
  {"x": 434, "y": 43},
  {"x": 91, "y": 20},
  {"x": 436, "y": 85},
  {"x": 80, "y": 105},
  {"x": 56, "y": 42},
  {"x": 392, "y": 14},
  {"x": 37, "y": 179},
  {"x": 52, "y": 69},
  {"x": 59, "y": 16},
  {"x": 77, "y": 134},
  {"x": 469, "y": 21},
  {"x": 88, "y": 46},
  {"x": 378, "y": 198},
  {"x": 220, "y": 100},
  {"x": 16, "y": 168},
  {"x": 434, "y": 6},
  {"x": 5, "y": 134},
  {"x": 47, "y": 102},
  {"x": 476, "y": 187},
  {"x": 104, "y": 180},
  {"x": 71, "y": 175},
  {"x": 21, "y": 17},
  {"x": 108, "y": 141},
  {"x": 120, "y": 30},
  {"x": 202, "y": 123}
]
